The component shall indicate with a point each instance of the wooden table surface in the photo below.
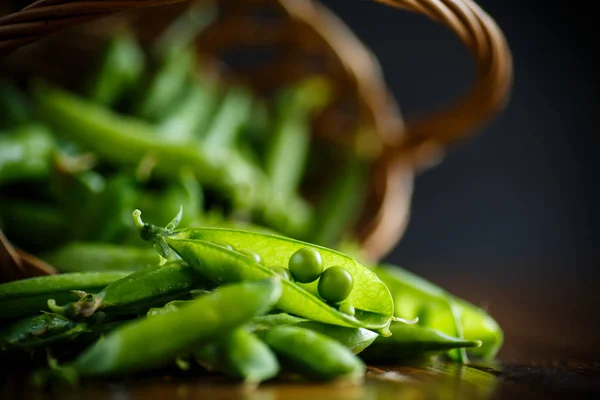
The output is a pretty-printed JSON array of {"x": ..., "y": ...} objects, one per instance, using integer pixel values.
[{"x": 551, "y": 350}]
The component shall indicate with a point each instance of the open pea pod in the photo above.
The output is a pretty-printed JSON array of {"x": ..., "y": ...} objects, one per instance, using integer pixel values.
[{"x": 370, "y": 297}]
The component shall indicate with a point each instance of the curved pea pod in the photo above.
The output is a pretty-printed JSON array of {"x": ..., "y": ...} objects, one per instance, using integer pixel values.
[
  {"x": 356, "y": 339},
  {"x": 39, "y": 330},
  {"x": 190, "y": 117},
  {"x": 412, "y": 343},
  {"x": 233, "y": 113},
  {"x": 149, "y": 343},
  {"x": 30, "y": 296},
  {"x": 25, "y": 154},
  {"x": 136, "y": 292},
  {"x": 414, "y": 296},
  {"x": 287, "y": 154},
  {"x": 312, "y": 354},
  {"x": 240, "y": 355},
  {"x": 96, "y": 256},
  {"x": 369, "y": 296},
  {"x": 166, "y": 85}
]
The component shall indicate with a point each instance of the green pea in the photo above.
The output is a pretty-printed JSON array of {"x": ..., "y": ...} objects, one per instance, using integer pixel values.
[
  {"x": 254, "y": 256},
  {"x": 306, "y": 265},
  {"x": 347, "y": 309},
  {"x": 335, "y": 284},
  {"x": 283, "y": 272},
  {"x": 223, "y": 244}
]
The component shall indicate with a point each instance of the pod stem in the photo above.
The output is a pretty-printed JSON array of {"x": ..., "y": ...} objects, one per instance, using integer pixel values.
[
  {"x": 83, "y": 308},
  {"x": 155, "y": 234}
]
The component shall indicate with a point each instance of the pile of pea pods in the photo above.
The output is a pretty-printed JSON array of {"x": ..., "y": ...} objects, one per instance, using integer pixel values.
[{"x": 249, "y": 280}]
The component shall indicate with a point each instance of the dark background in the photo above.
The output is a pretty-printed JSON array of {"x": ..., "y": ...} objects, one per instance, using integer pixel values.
[{"x": 509, "y": 218}]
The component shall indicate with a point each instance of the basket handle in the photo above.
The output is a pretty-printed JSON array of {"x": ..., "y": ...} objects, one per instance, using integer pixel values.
[
  {"x": 44, "y": 17},
  {"x": 422, "y": 138},
  {"x": 480, "y": 34}
]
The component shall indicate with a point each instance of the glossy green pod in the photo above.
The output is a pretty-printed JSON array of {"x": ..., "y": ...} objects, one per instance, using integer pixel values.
[
  {"x": 356, "y": 339},
  {"x": 96, "y": 256},
  {"x": 167, "y": 85},
  {"x": 122, "y": 66},
  {"x": 149, "y": 343},
  {"x": 191, "y": 116},
  {"x": 241, "y": 355},
  {"x": 30, "y": 296},
  {"x": 369, "y": 296},
  {"x": 137, "y": 292},
  {"x": 410, "y": 343},
  {"x": 312, "y": 354},
  {"x": 231, "y": 116}
]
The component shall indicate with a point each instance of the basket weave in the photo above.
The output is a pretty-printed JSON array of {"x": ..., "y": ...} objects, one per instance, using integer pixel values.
[{"x": 308, "y": 36}]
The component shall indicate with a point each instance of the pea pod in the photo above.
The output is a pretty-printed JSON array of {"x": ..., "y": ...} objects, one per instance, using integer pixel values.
[
  {"x": 240, "y": 355},
  {"x": 167, "y": 85},
  {"x": 233, "y": 113},
  {"x": 96, "y": 256},
  {"x": 29, "y": 296},
  {"x": 413, "y": 343},
  {"x": 416, "y": 297},
  {"x": 149, "y": 343},
  {"x": 356, "y": 339},
  {"x": 288, "y": 151},
  {"x": 125, "y": 141},
  {"x": 369, "y": 296},
  {"x": 121, "y": 68},
  {"x": 312, "y": 354},
  {"x": 25, "y": 154},
  {"x": 39, "y": 330},
  {"x": 136, "y": 292},
  {"x": 190, "y": 117}
]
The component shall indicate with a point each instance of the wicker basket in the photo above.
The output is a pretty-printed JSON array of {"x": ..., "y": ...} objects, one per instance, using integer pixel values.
[{"x": 305, "y": 36}]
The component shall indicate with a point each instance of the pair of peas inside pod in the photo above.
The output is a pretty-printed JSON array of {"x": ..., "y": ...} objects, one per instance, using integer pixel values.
[{"x": 306, "y": 266}]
